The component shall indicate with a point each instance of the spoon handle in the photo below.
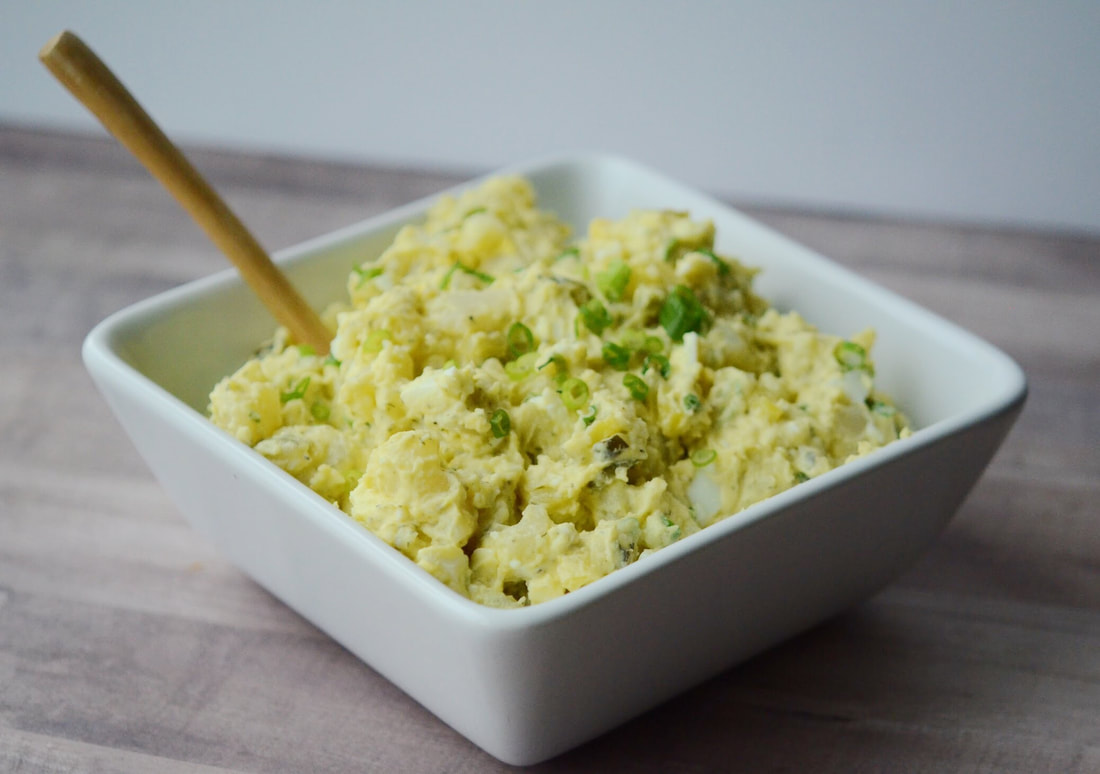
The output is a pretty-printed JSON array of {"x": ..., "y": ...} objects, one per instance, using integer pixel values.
[{"x": 85, "y": 75}]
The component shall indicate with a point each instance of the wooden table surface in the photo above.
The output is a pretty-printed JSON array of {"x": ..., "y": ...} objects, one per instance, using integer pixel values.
[{"x": 128, "y": 644}]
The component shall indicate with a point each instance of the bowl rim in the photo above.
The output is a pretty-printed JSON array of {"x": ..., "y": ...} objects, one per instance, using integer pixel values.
[{"x": 100, "y": 350}]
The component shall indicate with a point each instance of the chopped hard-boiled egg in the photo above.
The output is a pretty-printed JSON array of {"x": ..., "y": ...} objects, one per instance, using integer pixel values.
[{"x": 521, "y": 414}]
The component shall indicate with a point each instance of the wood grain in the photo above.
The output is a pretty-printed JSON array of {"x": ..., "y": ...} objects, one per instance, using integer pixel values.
[{"x": 128, "y": 644}]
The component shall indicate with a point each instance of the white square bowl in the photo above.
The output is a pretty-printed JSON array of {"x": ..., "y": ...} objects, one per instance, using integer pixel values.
[{"x": 530, "y": 683}]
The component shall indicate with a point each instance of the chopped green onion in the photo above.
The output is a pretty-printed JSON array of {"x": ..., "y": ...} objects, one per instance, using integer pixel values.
[
  {"x": 660, "y": 362},
  {"x": 653, "y": 345},
  {"x": 670, "y": 524},
  {"x": 331, "y": 360},
  {"x": 700, "y": 458},
  {"x": 616, "y": 356},
  {"x": 670, "y": 250},
  {"x": 500, "y": 423},
  {"x": 561, "y": 368},
  {"x": 306, "y": 350},
  {"x": 590, "y": 417},
  {"x": 320, "y": 411},
  {"x": 460, "y": 266},
  {"x": 692, "y": 402},
  {"x": 295, "y": 392},
  {"x": 851, "y": 357},
  {"x": 594, "y": 316},
  {"x": 632, "y": 338},
  {"x": 520, "y": 339},
  {"x": 366, "y": 274},
  {"x": 557, "y": 360},
  {"x": 474, "y": 211},
  {"x": 801, "y": 477},
  {"x": 574, "y": 392},
  {"x": 449, "y": 364},
  {"x": 520, "y": 368},
  {"x": 723, "y": 267},
  {"x": 447, "y": 277},
  {"x": 569, "y": 252},
  {"x": 374, "y": 340},
  {"x": 883, "y": 409},
  {"x": 637, "y": 386},
  {"x": 612, "y": 283},
  {"x": 682, "y": 313},
  {"x": 486, "y": 278}
]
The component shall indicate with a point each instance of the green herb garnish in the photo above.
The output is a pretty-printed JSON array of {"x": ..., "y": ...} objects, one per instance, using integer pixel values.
[
  {"x": 594, "y": 316},
  {"x": 692, "y": 402},
  {"x": 366, "y": 274},
  {"x": 882, "y": 409},
  {"x": 723, "y": 267},
  {"x": 590, "y": 417},
  {"x": 670, "y": 250},
  {"x": 637, "y": 386},
  {"x": 561, "y": 368},
  {"x": 500, "y": 423},
  {"x": 520, "y": 340},
  {"x": 653, "y": 345},
  {"x": 616, "y": 355},
  {"x": 632, "y": 338},
  {"x": 574, "y": 393},
  {"x": 700, "y": 458},
  {"x": 670, "y": 524},
  {"x": 612, "y": 283},
  {"x": 296, "y": 392},
  {"x": 852, "y": 357},
  {"x": 682, "y": 313},
  {"x": 460, "y": 266},
  {"x": 520, "y": 368},
  {"x": 660, "y": 362},
  {"x": 373, "y": 342}
]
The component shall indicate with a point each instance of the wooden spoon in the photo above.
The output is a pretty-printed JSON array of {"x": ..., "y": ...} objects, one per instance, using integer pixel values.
[{"x": 93, "y": 84}]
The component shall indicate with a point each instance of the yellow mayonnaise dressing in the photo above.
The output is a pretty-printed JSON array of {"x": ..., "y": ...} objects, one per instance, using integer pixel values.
[{"x": 521, "y": 414}]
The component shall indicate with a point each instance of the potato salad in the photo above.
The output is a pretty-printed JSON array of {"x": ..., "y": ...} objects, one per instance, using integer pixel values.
[{"x": 521, "y": 412}]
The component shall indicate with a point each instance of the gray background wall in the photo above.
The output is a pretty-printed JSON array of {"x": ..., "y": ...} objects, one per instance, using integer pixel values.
[{"x": 976, "y": 111}]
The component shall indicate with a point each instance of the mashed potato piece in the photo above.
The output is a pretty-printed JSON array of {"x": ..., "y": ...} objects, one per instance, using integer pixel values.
[{"x": 521, "y": 415}]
